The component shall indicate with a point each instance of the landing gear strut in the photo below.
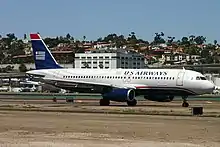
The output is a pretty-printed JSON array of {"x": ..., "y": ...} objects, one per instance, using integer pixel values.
[
  {"x": 185, "y": 103},
  {"x": 104, "y": 102}
]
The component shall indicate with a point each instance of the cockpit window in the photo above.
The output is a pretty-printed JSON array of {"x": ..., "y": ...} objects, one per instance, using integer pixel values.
[{"x": 200, "y": 78}]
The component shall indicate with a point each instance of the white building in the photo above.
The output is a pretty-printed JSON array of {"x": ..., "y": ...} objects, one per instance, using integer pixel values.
[{"x": 104, "y": 59}]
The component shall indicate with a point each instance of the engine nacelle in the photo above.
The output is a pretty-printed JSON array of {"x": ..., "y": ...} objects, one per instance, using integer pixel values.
[
  {"x": 119, "y": 95},
  {"x": 159, "y": 98}
]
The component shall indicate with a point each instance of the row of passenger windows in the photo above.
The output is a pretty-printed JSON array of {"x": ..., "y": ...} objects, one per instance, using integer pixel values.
[{"x": 117, "y": 77}]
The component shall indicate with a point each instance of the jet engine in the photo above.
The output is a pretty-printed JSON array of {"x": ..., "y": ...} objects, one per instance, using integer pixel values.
[
  {"x": 120, "y": 95},
  {"x": 159, "y": 98}
]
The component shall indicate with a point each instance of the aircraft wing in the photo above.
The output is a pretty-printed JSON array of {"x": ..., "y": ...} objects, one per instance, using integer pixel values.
[{"x": 76, "y": 82}]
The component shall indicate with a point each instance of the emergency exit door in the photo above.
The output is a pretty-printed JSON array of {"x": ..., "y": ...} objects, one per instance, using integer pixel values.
[{"x": 180, "y": 77}]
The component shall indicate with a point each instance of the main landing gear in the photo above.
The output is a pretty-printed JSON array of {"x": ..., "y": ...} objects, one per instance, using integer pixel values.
[
  {"x": 185, "y": 103},
  {"x": 132, "y": 103}
]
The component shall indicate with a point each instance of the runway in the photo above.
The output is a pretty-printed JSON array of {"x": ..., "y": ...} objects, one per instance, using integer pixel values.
[
  {"x": 40, "y": 129},
  {"x": 84, "y": 123}
]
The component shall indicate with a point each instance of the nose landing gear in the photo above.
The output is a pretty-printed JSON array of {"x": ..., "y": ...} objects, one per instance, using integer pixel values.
[{"x": 185, "y": 103}]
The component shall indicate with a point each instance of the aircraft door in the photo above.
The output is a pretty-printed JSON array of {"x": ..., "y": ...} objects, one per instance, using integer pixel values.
[
  {"x": 56, "y": 74},
  {"x": 180, "y": 76}
]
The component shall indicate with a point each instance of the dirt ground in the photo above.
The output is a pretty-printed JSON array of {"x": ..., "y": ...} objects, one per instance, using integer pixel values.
[{"x": 39, "y": 129}]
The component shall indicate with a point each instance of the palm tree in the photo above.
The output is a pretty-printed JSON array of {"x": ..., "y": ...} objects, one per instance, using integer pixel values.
[
  {"x": 191, "y": 37},
  {"x": 84, "y": 38},
  {"x": 215, "y": 42}
]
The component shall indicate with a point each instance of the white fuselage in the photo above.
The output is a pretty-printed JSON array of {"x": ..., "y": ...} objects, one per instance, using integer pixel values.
[{"x": 189, "y": 80}]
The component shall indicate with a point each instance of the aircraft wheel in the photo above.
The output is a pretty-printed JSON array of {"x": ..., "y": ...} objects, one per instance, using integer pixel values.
[
  {"x": 104, "y": 102},
  {"x": 68, "y": 100},
  {"x": 185, "y": 104},
  {"x": 132, "y": 103}
]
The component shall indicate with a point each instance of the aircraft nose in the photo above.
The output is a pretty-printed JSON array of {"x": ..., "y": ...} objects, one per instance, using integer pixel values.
[{"x": 209, "y": 87}]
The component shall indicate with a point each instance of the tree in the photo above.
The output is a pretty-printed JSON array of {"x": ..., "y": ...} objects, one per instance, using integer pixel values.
[
  {"x": 184, "y": 40},
  {"x": 84, "y": 38},
  {"x": 191, "y": 38},
  {"x": 199, "y": 40},
  {"x": 215, "y": 42},
  {"x": 68, "y": 36},
  {"x": 99, "y": 39},
  {"x": 22, "y": 67},
  {"x": 170, "y": 40},
  {"x": 11, "y": 36},
  {"x": 192, "y": 50},
  {"x": 2, "y": 56},
  {"x": 25, "y": 36},
  {"x": 158, "y": 39}
]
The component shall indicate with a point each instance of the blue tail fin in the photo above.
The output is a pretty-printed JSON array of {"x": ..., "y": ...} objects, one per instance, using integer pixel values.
[{"x": 42, "y": 56}]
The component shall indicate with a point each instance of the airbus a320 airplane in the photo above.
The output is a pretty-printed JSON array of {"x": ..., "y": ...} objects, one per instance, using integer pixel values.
[{"x": 121, "y": 85}]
